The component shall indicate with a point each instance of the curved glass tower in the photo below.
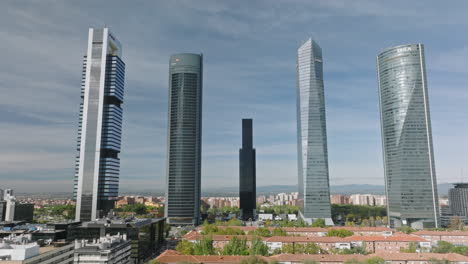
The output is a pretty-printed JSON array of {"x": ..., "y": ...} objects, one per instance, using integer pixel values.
[
  {"x": 184, "y": 139},
  {"x": 100, "y": 125},
  {"x": 314, "y": 190},
  {"x": 410, "y": 179}
]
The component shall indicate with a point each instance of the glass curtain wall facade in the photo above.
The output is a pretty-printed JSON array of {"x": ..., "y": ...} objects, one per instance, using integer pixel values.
[
  {"x": 247, "y": 181},
  {"x": 100, "y": 124},
  {"x": 314, "y": 189},
  {"x": 410, "y": 178},
  {"x": 458, "y": 199},
  {"x": 184, "y": 139}
]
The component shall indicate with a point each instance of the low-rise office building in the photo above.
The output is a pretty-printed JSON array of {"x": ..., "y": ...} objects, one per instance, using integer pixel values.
[
  {"x": 47, "y": 232},
  {"x": 21, "y": 250},
  {"x": 105, "y": 250},
  {"x": 24, "y": 212},
  {"x": 146, "y": 235}
]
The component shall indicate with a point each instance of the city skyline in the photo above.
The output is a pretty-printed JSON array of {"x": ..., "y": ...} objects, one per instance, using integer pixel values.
[{"x": 45, "y": 158}]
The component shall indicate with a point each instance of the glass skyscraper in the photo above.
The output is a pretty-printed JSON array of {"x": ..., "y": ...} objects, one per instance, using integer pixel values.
[
  {"x": 458, "y": 199},
  {"x": 410, "y": 179},
  {"x": 184, "y": 139},
  {"x": 100, "y": 124},
  {"x": 314, "y": 189},
  {"x": 247, "y": 177}
]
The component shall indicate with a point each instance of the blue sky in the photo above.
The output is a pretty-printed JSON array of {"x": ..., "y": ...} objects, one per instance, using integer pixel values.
[{"x": 249, "y": 52}]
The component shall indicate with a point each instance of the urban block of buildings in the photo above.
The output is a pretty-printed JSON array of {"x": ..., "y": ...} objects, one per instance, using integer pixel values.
[
  {"x": 13, "y": 210},
  {"x": 133, "y": 241},
  {"x": 173, "y": 257}
]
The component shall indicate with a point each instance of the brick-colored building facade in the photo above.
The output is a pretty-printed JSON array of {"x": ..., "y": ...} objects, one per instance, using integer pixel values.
[
  {"x": 173, "y": 257},
  {"x": 318, "y": 231},
  {"x": 454, "y": 237},
  {"x": 373, "y": 244}
]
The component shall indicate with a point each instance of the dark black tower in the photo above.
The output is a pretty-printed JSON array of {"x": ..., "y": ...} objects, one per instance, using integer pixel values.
[{"x": 247, "y": 185}]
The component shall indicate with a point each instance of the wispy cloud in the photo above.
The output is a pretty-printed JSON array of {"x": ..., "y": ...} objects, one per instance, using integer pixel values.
[{"x": 249, "y": 52}]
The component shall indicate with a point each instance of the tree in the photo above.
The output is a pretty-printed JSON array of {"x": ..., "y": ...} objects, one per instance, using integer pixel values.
[
  {"x": 456, "y": 223},
  {"x": 443, "y": 247},
  {"x": 261, "y": 231},
  {"x": 339, "y": 233},
  {"x": 352, "y": 261},
  {"x": 353, "y": 213},
  {"x": 374, "y": 260},
  {"x": 258, "y": 247},
  {"x": 280, "y": 209},
  {"x": 253, "y": 260},
  {"x": 276, "y": 251},
  {"x": 138, "y": 209},
  {"x": 236, "y": 247},
  {"x": 288, "y": 248},
  {"x": 213, "y": 229},
  {"x": 354, "y": 250},
  {"x": 299, "y": 248},
  {"x": 234, "y": 222},
  {"x": 309, "y": 248},
  {"x": 67, "y": 211},
  {"x": 406, "y": 229},
  {"x": 301, "y": 223},
  {"x": 365, "y": 222},
  {"x": 210, "y": 229},
  {"x": 411, "y": 248},
  {"x": 204, "y": 246},
  {"x": 167, "y": 228},
  {"x": 385, "y": 220},
  {"x": 278, "y": 232},
  {"x": 230, "y": 231},
  {"x": 318, "y": 223},
  {"x": 438, "y": 261},
  {"x": 185, "y": 247},
  {"x": 286, "y": 223},
  {"x": 460, "y": 250},
  {"x": 312, "y": 248}
]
